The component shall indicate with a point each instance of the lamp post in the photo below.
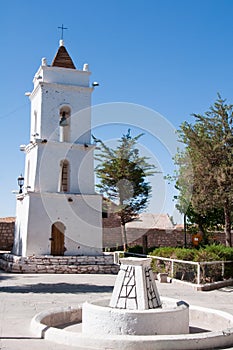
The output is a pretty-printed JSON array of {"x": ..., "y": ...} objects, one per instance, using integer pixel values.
[
  {"x": 20, "y": 183},
  {"x": 185, "y": 231}
]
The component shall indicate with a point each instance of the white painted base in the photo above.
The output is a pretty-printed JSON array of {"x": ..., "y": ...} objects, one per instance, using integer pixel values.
[{"x": 172, "y": 318}]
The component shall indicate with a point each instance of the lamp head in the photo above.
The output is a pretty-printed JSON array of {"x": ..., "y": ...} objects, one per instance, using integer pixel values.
[{"x": 20, "y": 183}]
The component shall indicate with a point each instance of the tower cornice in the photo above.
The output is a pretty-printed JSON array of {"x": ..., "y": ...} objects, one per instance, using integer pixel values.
[
  {"x": 65, "y": 145},
  {"x": 77, "y": 88},
  {"x": 64, "y": 76},
  {"x": 68, "y": 86}
]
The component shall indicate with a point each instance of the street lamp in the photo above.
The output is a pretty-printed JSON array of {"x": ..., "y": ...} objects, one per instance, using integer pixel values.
[
  {"x": 20, "y": 183},
  {"x": 185, "y": 230}
]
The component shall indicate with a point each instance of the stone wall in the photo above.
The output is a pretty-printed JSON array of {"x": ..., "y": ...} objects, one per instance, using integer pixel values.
[
  {"x": 219, "y": 237},
  {"x": 143, "y": 237},
  {"x": 60, "y": 264},
  {"x": 162, "y": 238},
  {"x": 7, "y": 226},
  {"x": 152, "y": 238},
  {"x": 149, "y": 238}
]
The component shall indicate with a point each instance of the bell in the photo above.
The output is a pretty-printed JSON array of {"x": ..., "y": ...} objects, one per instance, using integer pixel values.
[{"x": 63, "y": 119}]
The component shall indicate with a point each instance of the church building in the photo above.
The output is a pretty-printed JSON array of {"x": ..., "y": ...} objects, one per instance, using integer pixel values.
[{"x": 58, "y": 211}]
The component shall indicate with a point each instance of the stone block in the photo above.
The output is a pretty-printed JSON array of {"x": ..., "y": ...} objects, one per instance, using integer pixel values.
[
  {"x": 63, "y": 262},
  {"x": 15, "y": 268},
  {"x": 53, "y": 261}
]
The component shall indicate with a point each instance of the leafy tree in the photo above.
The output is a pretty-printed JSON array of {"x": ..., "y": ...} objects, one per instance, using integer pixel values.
[
  {"x": 206, "y": 166},
  {"x": 202, "y": 223},
  {"x": 122, "y": 173}
]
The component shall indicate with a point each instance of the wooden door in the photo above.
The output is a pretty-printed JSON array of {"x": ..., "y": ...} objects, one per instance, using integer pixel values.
[{"x": 57, "y": 239}]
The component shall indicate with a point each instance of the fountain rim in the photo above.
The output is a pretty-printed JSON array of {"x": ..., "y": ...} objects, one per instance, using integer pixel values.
[
  {"x": 172, "y": 305},
  {"x": 209, "y": 339}
]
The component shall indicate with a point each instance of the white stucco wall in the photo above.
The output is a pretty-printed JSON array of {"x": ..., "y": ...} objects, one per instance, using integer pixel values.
[
  {"x": 61, "y": 75},
  {"x": 45, "y": 160},
  {"x": 21, "y": 226},
  {"x": 35, "y": 98},
  {"x": 30, "y": 167},
  {"x": 81, "y": 217},
  {"x": 58, "y": 87}
]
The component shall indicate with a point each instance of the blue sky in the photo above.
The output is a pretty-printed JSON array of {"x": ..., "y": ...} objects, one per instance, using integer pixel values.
[{"x": 166, "y": 55}]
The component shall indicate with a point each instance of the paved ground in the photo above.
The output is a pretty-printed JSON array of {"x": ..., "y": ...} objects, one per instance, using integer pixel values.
[{"x": 22, "y": 296}]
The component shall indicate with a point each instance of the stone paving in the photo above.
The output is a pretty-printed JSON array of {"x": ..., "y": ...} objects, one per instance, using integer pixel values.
[{"x": 24, "y": 295}]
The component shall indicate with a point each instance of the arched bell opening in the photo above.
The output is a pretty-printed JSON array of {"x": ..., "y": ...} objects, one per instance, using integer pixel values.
[{"x": 64, "y": 123}]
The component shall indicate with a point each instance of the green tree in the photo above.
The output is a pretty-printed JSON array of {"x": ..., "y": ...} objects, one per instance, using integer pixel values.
[
  {"x": 122, "y": 173},
  {"x": 206, "y": 166}
]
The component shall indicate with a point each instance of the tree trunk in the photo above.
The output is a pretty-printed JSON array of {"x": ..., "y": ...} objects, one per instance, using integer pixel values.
[
  {"x": 201, "y": 229},
  {"x": 144, "y": 244},
  {"x": 124, "y": 237},
  {"x": 227, "y": 216}
]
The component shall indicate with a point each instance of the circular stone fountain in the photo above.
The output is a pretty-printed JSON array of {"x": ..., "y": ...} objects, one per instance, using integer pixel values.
[{"x": 136, "y": 318}]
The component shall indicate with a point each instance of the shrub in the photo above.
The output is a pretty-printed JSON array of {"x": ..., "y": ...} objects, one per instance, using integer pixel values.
[
  {"x": 205, "y": 255},
  {"x": 184, "y": 254},
  {"x": 224, "y": 253},
  {"x": 165, "y": 252}
]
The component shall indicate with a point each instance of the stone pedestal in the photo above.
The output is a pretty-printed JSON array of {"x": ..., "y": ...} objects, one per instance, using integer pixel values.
[{"x": 135, "y": 287}]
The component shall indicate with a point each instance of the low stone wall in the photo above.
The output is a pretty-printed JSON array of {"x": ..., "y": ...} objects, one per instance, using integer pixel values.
[
  {"x": 60, "y": 264},
  {"x": 150, "y": 238},
  {"x": 7, "y": 227},
  {"x": 163, "y": 238}
]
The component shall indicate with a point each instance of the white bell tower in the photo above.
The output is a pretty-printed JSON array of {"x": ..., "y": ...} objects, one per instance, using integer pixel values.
[{"x": 59, "y": 212}]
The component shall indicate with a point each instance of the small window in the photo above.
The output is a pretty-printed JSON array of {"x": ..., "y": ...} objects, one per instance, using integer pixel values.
[{"x": 64, "y": 177}]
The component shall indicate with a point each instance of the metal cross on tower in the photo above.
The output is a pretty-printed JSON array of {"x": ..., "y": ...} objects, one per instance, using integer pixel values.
[{"x": 62, "y": 31}]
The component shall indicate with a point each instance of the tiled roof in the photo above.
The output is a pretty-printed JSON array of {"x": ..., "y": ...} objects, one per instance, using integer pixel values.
[
  {"x": 8, "y": 219},
  {"x": 63, "y": 59}
]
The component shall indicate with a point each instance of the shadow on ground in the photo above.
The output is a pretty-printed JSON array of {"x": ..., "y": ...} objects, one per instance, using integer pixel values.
[
  {"x": 228, "y": 289},
  {"x": 4, "y": 276},
  {"x": 56, "y": 288}
]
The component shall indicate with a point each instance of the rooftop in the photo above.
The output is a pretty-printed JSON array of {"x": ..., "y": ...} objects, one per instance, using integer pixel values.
[
  {"x": 152, "y": 221},
  {"x": 62, "y": 58},
  {"x": 8, "y": 219}
]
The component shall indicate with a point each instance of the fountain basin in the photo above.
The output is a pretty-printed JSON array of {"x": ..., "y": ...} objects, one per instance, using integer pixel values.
[
  {"x": 217, "y": 331},
  {"x": 100, "y": 319}
]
